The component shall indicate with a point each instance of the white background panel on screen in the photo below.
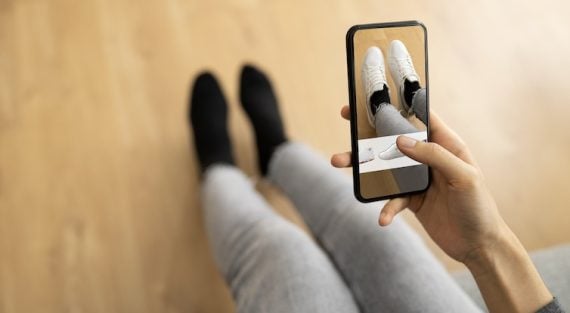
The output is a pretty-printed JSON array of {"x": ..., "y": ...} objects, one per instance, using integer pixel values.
[{"x": 380, "y": 144}]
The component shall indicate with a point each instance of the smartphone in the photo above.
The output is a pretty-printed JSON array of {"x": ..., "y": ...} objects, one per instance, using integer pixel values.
[{"x": 389, "y": 96}]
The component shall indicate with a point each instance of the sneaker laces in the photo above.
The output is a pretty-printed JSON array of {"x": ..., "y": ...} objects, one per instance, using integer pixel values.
[
  {"x": 375, "y": 77},
  {"x": 405, "y": 67}
]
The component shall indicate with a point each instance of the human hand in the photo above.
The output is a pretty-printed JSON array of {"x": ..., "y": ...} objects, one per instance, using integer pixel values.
[
  {"x": 457, "y": 210},
  {"x": 461, "y": 216}
]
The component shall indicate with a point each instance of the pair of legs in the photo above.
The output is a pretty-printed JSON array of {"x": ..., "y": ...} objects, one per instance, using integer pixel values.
[
  {"x": 384, "y": 116},
  {"x": 269, "y": 263}
]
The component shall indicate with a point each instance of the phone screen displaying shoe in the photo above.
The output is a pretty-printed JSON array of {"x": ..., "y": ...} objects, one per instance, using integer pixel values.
[{"x": 388, "y": 90}]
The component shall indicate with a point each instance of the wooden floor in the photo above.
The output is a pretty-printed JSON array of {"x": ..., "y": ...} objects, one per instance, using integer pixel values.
[{"x": 99, "y": 202}]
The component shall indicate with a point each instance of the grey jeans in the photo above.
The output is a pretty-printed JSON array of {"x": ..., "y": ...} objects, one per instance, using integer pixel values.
[
  {"x": 389, "y": 121},
  {"x": 352, "y": 266}
]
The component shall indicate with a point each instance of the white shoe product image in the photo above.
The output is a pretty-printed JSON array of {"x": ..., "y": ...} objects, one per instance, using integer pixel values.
[
  {"x": 365, "y": 155},
  {"x": 392, "y": 152},
  {"x": 373, "y": 78},
  {"x": 401, "y": 68}
]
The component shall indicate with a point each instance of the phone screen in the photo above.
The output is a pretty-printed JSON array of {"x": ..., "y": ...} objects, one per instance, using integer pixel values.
[{"x": 388, "y": 97}]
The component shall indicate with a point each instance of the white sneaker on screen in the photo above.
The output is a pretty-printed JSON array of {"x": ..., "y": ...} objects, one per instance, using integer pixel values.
[
  {"x": 392, "y": 152},
  {"x": 401, "y": 68},
  {"x": 365, "y": 155},
  {"x": 373, "y": 79}
]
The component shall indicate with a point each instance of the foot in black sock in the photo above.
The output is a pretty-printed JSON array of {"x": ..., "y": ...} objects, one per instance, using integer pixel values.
[
  {"x": 410, "y": 88},
  {"x": 260, "y": 104},
  {"x": 379, "y": 97},
  {"x": 208, "y": 117}
]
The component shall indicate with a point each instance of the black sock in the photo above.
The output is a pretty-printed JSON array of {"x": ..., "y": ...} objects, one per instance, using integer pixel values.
[
  {"x": 378, "y": 97},
  {"x": 410, "y": 89},
  {"x": 208, "y": 117},
  {"x": 260, "y": 104}
]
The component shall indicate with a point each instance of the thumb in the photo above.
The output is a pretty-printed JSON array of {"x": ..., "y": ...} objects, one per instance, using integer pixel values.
[{"x": 434, "y": 155}]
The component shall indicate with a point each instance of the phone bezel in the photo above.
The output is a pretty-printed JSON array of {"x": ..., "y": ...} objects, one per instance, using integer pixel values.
[{"x": 352, "y": 104}]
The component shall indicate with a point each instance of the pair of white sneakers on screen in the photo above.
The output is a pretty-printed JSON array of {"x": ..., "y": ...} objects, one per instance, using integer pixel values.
[
  {"x": 374, "y": 79},
  {"x": 374, "y": 74}
]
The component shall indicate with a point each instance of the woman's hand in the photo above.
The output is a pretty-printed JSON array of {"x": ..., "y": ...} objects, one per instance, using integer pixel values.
[
  {"x": 457, "y": 210},
  {"x": 461, "y": 216}
]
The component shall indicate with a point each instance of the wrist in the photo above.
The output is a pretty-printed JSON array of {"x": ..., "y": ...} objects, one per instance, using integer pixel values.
[
  {"x": 502, "y": 246},
  {"x": 506, "y": 275}
]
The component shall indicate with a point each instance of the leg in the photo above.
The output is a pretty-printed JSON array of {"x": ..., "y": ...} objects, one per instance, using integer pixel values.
[
  {"x": 419, "y": 105},
  {"x": 390, "y": 122},
  {"x": 269, "y": 264},
  {"x": 388, "y": 269}
]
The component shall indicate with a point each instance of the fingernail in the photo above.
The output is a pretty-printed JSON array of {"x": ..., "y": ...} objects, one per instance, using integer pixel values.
[
  {"x": 381, "y": 218},
  {"x": 384, "y": 219},
  {"x": 407, "y": 142}
]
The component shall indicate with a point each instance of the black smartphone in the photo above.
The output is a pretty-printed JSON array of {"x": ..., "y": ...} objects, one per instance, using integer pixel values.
[{"x": 389, "y": 96}]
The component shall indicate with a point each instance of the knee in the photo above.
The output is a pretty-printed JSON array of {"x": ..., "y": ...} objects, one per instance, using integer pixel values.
[{"x": 278, "y": 235}]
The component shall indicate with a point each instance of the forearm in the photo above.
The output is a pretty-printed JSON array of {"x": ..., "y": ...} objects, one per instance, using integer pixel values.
[{"x": 507, "y": 278}]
